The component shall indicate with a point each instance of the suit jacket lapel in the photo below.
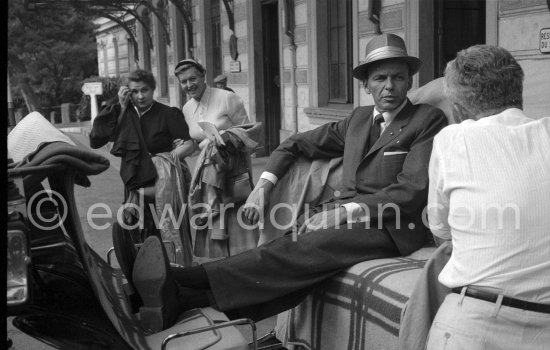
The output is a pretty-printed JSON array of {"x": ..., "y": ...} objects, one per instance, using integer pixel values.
[
  {"x": 356, "y": 140},
  {"x": 363, "y": 135},
  {"x": 394, "y": 129}
]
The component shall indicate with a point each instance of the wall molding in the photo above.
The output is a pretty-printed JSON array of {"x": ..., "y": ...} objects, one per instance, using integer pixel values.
[
  {"x": 539, "y": 9},
  {"x": 326, "y": 114}
]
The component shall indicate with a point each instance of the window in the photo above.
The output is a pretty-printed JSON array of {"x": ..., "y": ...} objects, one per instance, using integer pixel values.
[
  {"x": 339, "y": 51},
  {"x": 331, "y": 83}
]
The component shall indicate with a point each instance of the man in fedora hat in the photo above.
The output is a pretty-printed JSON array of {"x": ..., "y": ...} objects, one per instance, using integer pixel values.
[
  {"x": 376, "y": 214},
  {"x": 221, "y": 83}
]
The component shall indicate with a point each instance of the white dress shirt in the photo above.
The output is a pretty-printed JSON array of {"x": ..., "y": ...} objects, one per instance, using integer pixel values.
[
  {"x": 489, "y": 192},
  {"x": 220, "y": 107}
]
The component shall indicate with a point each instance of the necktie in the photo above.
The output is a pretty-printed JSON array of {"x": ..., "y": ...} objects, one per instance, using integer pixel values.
[{"x": 375, "y": 130}]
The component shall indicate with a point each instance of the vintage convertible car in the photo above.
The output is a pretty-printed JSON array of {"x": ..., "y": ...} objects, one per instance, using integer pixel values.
[{"x": 61, "y": 291}]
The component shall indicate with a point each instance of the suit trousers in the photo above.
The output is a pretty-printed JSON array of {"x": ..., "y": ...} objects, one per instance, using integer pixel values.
[{"x": 276, "y": 276}]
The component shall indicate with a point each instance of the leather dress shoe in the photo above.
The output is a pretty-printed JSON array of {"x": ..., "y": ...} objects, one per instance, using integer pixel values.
[{"x": 156, "y": 286}]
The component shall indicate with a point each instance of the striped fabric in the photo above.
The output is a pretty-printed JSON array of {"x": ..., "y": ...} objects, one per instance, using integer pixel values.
[{"x": 359, "y": 308}]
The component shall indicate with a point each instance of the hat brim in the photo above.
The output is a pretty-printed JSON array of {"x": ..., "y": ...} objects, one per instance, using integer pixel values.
[
  {"x": 188, "y": 62},
  {"x": 361, "y": 72}
]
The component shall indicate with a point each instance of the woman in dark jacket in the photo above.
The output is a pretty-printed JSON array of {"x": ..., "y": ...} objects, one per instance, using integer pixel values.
[{"x": 152, "y": 140}]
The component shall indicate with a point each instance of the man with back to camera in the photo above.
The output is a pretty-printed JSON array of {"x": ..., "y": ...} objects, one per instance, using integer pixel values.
[
  {"x": 386, "y": 150},
  {"x": 489, "y": 192}
]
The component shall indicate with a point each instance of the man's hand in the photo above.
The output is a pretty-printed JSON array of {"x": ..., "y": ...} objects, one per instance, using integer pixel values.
[
  {"x": 324, "y": 219},
  {"x": 184, "y": 149},
  {"x": 204, "y": 143},
  {"x": 258, "y": 200}
]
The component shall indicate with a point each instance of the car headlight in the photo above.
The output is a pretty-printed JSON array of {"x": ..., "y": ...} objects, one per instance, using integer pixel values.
[
  {"x": 18, "y": 252},
  {"x": 17, "y": 268}
]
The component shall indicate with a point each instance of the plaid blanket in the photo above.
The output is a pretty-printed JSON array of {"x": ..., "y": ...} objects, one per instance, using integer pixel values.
[{"x": 359, "y": 308}]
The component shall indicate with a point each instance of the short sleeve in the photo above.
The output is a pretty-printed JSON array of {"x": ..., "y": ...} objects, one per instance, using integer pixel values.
[{"x": 177, "y": 125}]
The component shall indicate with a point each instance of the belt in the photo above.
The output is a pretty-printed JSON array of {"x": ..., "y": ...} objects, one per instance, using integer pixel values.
[{"x": 490, "y": 297}]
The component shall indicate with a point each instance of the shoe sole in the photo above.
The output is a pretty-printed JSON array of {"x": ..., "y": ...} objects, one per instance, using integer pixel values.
[{"x": 149, "y": 277}]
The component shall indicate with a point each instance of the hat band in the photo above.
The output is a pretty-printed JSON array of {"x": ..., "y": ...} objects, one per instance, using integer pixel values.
[
  {"x": 186, "y": 63},
  {"x": 385, "y": 52},
  {"x": 184, "y": 66}
]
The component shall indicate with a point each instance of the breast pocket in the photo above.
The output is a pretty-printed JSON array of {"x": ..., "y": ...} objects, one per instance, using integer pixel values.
[{"x": 392, "y": 164}]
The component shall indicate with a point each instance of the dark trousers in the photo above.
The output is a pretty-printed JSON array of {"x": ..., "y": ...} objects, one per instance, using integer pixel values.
[{"x": 276, "y": 276}]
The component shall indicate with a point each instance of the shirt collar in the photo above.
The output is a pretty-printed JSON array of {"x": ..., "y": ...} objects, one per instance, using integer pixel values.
[
  {"x": 390, "y": 116},
  {"x": 145, "y": 111},
  {"x": 205, "y": 95}
]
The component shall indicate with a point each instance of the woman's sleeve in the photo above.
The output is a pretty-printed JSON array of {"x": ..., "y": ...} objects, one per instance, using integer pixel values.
[
  {"x": 177, "y": 126},
  {"x": 104, "y": 128}
]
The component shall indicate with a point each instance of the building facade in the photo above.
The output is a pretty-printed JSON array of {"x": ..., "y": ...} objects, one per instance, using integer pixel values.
[{"x": 291, "y": 60}]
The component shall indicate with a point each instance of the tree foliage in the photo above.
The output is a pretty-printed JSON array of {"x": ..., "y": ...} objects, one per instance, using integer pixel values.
[{"x": 50, "y": 52}]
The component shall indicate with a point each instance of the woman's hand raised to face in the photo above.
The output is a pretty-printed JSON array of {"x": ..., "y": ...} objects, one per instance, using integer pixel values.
[{"x": 124, "y": 96}]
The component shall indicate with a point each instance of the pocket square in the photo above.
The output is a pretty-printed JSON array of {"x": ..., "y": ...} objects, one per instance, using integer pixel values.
[{"x": 395, "y": 153}]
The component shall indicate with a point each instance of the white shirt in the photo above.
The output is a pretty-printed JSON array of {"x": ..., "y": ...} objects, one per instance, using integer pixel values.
[
  {"x": 490, "y": 192},
  {"x": 220, "y": 107},
  {"x": 357, "y": 212}
]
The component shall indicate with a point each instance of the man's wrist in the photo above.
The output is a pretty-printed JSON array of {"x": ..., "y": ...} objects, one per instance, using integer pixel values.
[
  {"x": 266, "y": 175},
  {"x": 355, "y": 212},
  {"x": 265, "y": 183}
]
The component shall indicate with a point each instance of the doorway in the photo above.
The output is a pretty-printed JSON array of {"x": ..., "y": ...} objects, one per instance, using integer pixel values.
[
  {"x": 271, "y": 78},
  {"x": 459, "y": 24}
]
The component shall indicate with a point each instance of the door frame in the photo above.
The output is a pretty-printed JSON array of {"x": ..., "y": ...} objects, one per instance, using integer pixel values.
[
  {"x": 420, "y": 34},
  {"x": 258, "y": 76}
]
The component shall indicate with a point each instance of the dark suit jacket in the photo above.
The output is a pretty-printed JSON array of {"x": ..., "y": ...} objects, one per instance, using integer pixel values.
[{"x": 376, "y": 177}]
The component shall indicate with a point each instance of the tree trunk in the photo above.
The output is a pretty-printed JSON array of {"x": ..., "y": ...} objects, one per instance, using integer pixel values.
[{"x": 30, "y": 97}]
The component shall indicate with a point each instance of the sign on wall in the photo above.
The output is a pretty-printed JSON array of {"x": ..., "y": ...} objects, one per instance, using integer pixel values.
[
  {"x": 544, "y": 40},
  {"x": 235, "y": 66}
]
